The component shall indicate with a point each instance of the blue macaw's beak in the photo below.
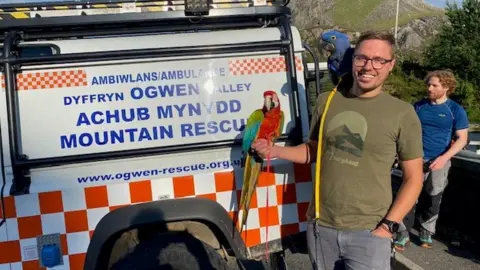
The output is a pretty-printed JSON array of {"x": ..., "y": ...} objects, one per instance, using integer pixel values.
[{"x": 327, "y": 46}]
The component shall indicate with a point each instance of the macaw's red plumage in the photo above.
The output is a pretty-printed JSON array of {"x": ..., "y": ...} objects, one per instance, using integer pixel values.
[{"x": 265, "y": 123}]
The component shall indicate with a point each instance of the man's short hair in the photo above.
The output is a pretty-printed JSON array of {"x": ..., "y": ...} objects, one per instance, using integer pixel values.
[
  {"x": 378, "y": 35},
  {"x": 446, "y": 78}
]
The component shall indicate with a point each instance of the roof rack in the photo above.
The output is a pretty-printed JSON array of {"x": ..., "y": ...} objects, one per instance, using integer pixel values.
[
  {"x": 87, "y": 12},
  {"x": 119, "y": 3}
]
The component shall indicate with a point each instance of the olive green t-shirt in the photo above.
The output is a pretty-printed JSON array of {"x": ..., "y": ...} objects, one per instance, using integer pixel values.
[{"x": 361, "y": 138}]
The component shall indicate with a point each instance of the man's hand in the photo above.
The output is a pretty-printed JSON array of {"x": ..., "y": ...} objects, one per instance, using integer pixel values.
[
  {"x": 263, "y": 148},
  {"x": 381, "y": 231},
  {"x": 438, "y": 163},
  {"x": 298, "y": 154},
  {"x": 460, "y": 142}
]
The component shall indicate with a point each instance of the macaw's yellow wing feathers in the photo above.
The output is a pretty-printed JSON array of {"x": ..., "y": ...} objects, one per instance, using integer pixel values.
[{"x": 250, "y": 178}]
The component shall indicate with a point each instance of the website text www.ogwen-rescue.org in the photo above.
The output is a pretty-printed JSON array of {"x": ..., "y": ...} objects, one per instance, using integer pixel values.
[{"x": 126, "y": 176}]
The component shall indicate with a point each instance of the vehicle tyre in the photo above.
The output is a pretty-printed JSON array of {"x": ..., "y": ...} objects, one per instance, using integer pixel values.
[{"x": 172, "y": 251}]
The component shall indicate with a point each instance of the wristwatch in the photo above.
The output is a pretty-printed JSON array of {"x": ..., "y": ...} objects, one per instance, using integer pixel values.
[{"x": 392, "y": 225}]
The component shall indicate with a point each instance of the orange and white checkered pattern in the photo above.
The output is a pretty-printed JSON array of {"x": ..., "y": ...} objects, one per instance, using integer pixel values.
[
  {"x": 249, "y": 66},
  {"x": 50, "y": 80},
  {"x": 74, "y": 213}
]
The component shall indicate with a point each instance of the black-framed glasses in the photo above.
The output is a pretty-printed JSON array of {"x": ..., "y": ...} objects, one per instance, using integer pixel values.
[{"x": 377, "y": 62}]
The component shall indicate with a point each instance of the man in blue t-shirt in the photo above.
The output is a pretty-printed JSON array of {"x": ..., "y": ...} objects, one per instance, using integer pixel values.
[{"x": 444, "y": 134}]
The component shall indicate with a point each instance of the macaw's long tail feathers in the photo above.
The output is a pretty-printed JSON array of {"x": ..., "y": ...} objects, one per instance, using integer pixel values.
[
  {"x": 247, "y": 168},
  {"x": 250, "y": 178}
]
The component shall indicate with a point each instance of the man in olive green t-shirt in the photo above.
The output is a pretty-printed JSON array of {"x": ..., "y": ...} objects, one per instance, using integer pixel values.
[{"x": 364, "y": 130}]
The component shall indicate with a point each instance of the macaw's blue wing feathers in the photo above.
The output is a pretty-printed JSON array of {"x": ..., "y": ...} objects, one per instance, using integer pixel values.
[
  {"x": 252, "y": 168},
  {"x": 251, "y": 129},
  {"x": 346, "y": 64},
  {"x": 340, "y": 60}
]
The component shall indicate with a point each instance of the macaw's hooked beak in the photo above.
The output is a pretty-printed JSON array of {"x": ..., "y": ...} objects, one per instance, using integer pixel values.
[
  {"x": 269, "y": 103},
  {"x": 327, "y": 46}
]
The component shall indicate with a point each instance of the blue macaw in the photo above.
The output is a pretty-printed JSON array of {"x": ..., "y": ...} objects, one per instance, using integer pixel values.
[{"x": 341, "y": 53}]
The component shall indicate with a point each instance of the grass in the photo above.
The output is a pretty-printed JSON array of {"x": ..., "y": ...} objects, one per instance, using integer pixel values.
[
  {"x": 348, "y": 14},
  {"x": 402, "y": 20}
]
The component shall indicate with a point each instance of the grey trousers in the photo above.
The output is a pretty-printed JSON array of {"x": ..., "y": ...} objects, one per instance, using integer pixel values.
[
  {"x": 351, "y": 250},
  {"x": 428, "y": 205}
]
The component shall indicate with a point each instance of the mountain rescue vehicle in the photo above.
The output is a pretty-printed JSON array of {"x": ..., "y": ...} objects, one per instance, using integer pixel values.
[{"x": 121, "y": 132}]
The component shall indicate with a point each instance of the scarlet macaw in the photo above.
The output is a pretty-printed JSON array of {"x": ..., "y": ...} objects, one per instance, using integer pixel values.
[{"x": 266, "y": 123}]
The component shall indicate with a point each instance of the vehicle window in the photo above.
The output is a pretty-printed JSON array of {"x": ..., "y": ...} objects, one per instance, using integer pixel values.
[
  {"x": 33, "y": 2},
  {"x": 36, "y": 50}
]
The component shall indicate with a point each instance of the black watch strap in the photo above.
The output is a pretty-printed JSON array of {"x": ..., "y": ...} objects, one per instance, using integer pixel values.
[{"x": 392, "y": 225}]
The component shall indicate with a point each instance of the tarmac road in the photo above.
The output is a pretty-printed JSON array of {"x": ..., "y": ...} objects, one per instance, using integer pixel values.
[
  {"x": 441, "y": 256},
  {"x": 297, "y": 260}
]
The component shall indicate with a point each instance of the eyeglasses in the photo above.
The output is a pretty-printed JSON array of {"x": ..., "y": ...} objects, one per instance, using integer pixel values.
[{"x": 377, "y": 62}]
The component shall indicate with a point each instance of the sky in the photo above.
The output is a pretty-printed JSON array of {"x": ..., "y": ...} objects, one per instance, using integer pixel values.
[{"x": 442, "y": 3}]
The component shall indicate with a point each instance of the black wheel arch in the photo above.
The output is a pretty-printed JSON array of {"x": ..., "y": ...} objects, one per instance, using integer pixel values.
[{"x": 118, "y": 221}]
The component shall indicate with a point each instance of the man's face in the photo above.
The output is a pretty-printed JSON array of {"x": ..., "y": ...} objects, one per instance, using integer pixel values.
[
  {"x": 435, "y": 89},
  {"x": 372, "y": 63}
]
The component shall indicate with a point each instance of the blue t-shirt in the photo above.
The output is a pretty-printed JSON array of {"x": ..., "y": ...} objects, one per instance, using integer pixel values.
[{"x": 439, "y": 123}]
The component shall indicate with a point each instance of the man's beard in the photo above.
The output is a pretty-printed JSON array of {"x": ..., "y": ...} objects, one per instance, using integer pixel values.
[{"x": 435, "y": 96}]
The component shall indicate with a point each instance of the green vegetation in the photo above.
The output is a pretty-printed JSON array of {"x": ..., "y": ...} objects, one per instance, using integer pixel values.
[
  {"x": 403, "y": 19},
  {"x": 405, "y": 86},
  {"x": 456, "y": 47},
  {"x": 353, "y": 14},
  {"x": 458, "y": 44}
]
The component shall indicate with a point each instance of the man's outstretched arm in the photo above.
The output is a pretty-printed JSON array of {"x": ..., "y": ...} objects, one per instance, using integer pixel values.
[{"x": 303, "y": 153}]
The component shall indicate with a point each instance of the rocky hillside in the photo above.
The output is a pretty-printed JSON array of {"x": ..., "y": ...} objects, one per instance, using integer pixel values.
[
  {"x": 417, "y": 33},
  {"x": 417, "y": 21}
]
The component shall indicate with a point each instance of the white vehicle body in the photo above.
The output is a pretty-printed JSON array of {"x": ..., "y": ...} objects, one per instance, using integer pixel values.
[{"x": 189, "y": 109}]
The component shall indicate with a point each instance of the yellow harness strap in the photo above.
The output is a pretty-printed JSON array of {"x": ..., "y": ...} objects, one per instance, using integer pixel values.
[{"x": 319, "y": 152}]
